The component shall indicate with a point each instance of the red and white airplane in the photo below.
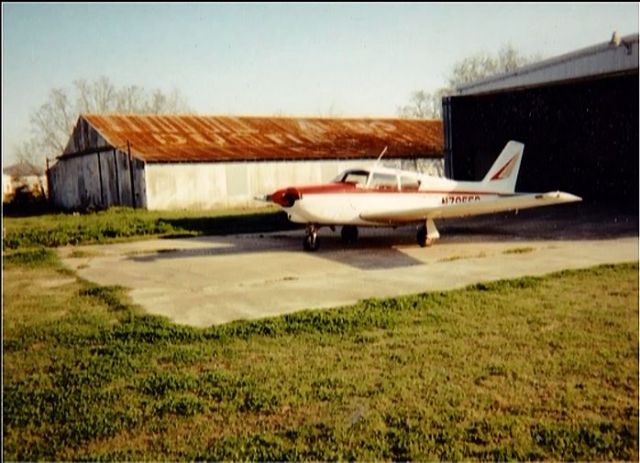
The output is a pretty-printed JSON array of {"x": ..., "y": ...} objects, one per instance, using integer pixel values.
[{"x": 389, "y": 197}]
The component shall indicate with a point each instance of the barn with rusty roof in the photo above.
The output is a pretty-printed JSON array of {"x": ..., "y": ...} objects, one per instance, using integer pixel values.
[{"x": 174, "y": 162}]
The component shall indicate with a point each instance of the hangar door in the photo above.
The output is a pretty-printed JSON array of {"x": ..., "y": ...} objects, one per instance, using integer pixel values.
[{"x": 580, "y": 137}]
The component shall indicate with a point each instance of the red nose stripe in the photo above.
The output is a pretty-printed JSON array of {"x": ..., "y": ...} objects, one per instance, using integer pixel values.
[{"x": 286, "y": 197}]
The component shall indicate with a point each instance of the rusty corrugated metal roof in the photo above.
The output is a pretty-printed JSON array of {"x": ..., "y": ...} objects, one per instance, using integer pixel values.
[{"x": 179, "y": 138}]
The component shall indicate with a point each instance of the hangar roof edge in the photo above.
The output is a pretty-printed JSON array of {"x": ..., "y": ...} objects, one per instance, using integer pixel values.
[{"x": 620, "y": 54}]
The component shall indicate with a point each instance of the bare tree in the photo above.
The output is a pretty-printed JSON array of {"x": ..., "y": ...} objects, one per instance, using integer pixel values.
[
  {"x": 29, "y": 152},
  {"x": 131, "y": 99},
  {"x": 483, "y": 65},
  {"x": 427, "y": 105},
  {"x": 53, "y": 122},
  {"x": 472, "y": 68},
  {"x": 423, "y": 105}
]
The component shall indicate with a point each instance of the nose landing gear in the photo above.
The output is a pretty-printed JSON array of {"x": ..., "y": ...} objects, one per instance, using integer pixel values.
[
  {"x": 310, "y": 242},
  {"x": 427, "y": 234}
]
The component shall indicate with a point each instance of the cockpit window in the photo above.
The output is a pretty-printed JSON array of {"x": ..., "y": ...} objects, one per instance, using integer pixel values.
[
  {"x": 384, "y": 181},
  {"x": 355, "y": 177}
]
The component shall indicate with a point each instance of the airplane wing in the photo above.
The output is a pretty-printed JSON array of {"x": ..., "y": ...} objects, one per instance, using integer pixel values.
[{"x": 500, "y": 204}]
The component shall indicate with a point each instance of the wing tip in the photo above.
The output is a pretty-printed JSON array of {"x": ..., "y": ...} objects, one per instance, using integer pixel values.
[{"x": 561, "y": 196}]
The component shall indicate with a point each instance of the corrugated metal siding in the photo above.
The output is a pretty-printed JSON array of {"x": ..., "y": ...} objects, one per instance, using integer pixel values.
[
  {"x": 602, "y": 59},
  {"x": 171, "y": 138},
  {"x": 209, "y": 185}
]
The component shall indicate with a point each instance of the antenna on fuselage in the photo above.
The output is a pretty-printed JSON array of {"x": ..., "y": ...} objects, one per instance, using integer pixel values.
[
  {"x": 376, "y": 165},
  {"x": 381, "y": 154}
]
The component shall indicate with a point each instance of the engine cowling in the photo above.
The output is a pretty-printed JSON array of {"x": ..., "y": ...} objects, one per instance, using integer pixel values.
[{"x": 286, "y": 197}]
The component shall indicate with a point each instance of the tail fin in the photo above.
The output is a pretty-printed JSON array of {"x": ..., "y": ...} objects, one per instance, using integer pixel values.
[{"x": 504, "y": 172}]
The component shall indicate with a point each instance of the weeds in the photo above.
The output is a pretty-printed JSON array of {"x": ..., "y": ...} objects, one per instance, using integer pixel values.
[
  {"x": 525, "y": 369},
  {"x": 455, "y": 258},
  {"x": 522, "y": 250},
  {"x": 119, "y": 224},
  {"x": 32, "y": 257}
]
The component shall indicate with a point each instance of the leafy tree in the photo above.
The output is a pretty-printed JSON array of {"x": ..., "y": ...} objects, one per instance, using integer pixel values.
[{"x": 53, "y": 122}]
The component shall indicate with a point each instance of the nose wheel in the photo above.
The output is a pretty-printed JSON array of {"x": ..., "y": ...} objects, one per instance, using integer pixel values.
[{"x": 310, "y": 242}]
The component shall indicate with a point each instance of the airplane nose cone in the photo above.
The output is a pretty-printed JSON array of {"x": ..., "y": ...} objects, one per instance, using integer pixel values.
[{"x": 286, "y": 197}]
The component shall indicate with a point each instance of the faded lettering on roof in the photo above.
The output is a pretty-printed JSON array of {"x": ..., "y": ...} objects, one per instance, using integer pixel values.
[{"x": 232, "y": 138}]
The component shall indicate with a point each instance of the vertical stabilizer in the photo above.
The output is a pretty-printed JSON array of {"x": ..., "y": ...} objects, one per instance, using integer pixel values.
[{"x": 503, "y": 174}]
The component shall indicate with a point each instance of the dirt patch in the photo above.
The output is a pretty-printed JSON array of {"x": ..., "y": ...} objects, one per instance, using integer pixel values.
[{"x": 55, "y": 283}]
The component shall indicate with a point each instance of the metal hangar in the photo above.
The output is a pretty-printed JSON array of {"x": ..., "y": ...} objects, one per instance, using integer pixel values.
[{"x": 577, "y": 115}]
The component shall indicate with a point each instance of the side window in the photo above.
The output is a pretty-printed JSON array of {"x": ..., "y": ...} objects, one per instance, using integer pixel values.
[
  {"x": 408, "y": 183},
  {"x": 354, "y": 177},
  {"x": 357, "y": 178},
  {"x": 384, "y": 182}
]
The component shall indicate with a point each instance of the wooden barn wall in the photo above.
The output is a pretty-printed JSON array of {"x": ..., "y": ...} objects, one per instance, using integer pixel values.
[{"x": 97, "y": 181}]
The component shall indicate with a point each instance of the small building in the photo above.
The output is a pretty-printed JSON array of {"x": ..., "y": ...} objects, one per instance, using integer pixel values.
[
  {"x": 176, "y": 162},
  {"x": 7, "y": 188},
  {"x": 577, "y": 115},
  {"x": 23, "y": 178}
]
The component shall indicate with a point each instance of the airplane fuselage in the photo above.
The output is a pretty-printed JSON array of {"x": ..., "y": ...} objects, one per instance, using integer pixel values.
[{"x": 341, "y": 203}]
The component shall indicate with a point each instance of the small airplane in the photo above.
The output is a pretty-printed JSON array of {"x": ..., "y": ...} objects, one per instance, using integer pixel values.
[{"x": 381, "y": 196}]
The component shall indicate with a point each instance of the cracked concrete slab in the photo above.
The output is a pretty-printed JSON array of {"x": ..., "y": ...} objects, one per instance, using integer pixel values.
[{"x": 211, "y": 280}]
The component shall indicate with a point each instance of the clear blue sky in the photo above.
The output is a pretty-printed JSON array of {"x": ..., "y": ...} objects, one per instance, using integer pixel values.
[{"x": 288, "y": 59}]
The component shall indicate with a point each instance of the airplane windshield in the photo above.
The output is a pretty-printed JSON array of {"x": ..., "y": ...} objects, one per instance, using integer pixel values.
[{"x": 355, "y": 177}]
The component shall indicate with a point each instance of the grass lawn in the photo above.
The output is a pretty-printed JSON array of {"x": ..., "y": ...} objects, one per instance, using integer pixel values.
[
  {"x": 528, "y": 369},
  {"x": 122, "y": 224}
]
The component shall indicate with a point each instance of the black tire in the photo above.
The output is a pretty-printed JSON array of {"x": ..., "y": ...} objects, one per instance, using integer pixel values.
[
  {"x": 310, "y": 242},
  {"x": 421, "y": 236},
  {"x": 349, "y": 234}
]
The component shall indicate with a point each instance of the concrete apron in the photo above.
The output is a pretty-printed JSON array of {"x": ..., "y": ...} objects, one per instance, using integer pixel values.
[{"x": 213, "y": 280}]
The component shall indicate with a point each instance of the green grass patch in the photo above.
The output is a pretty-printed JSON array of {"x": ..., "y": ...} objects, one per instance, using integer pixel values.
[
  {"x": 121, "y": 224},
  {"x": 526, "y": 369},
  {"x": 32, "y": 257}
]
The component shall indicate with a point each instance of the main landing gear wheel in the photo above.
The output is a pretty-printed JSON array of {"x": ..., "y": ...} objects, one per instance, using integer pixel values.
[
  {"x": 349, "y": 234},
  {"x": 310, "y": 242},
  {"x": 427, "y": 234},
  {"x": 423, "y": 239}
]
